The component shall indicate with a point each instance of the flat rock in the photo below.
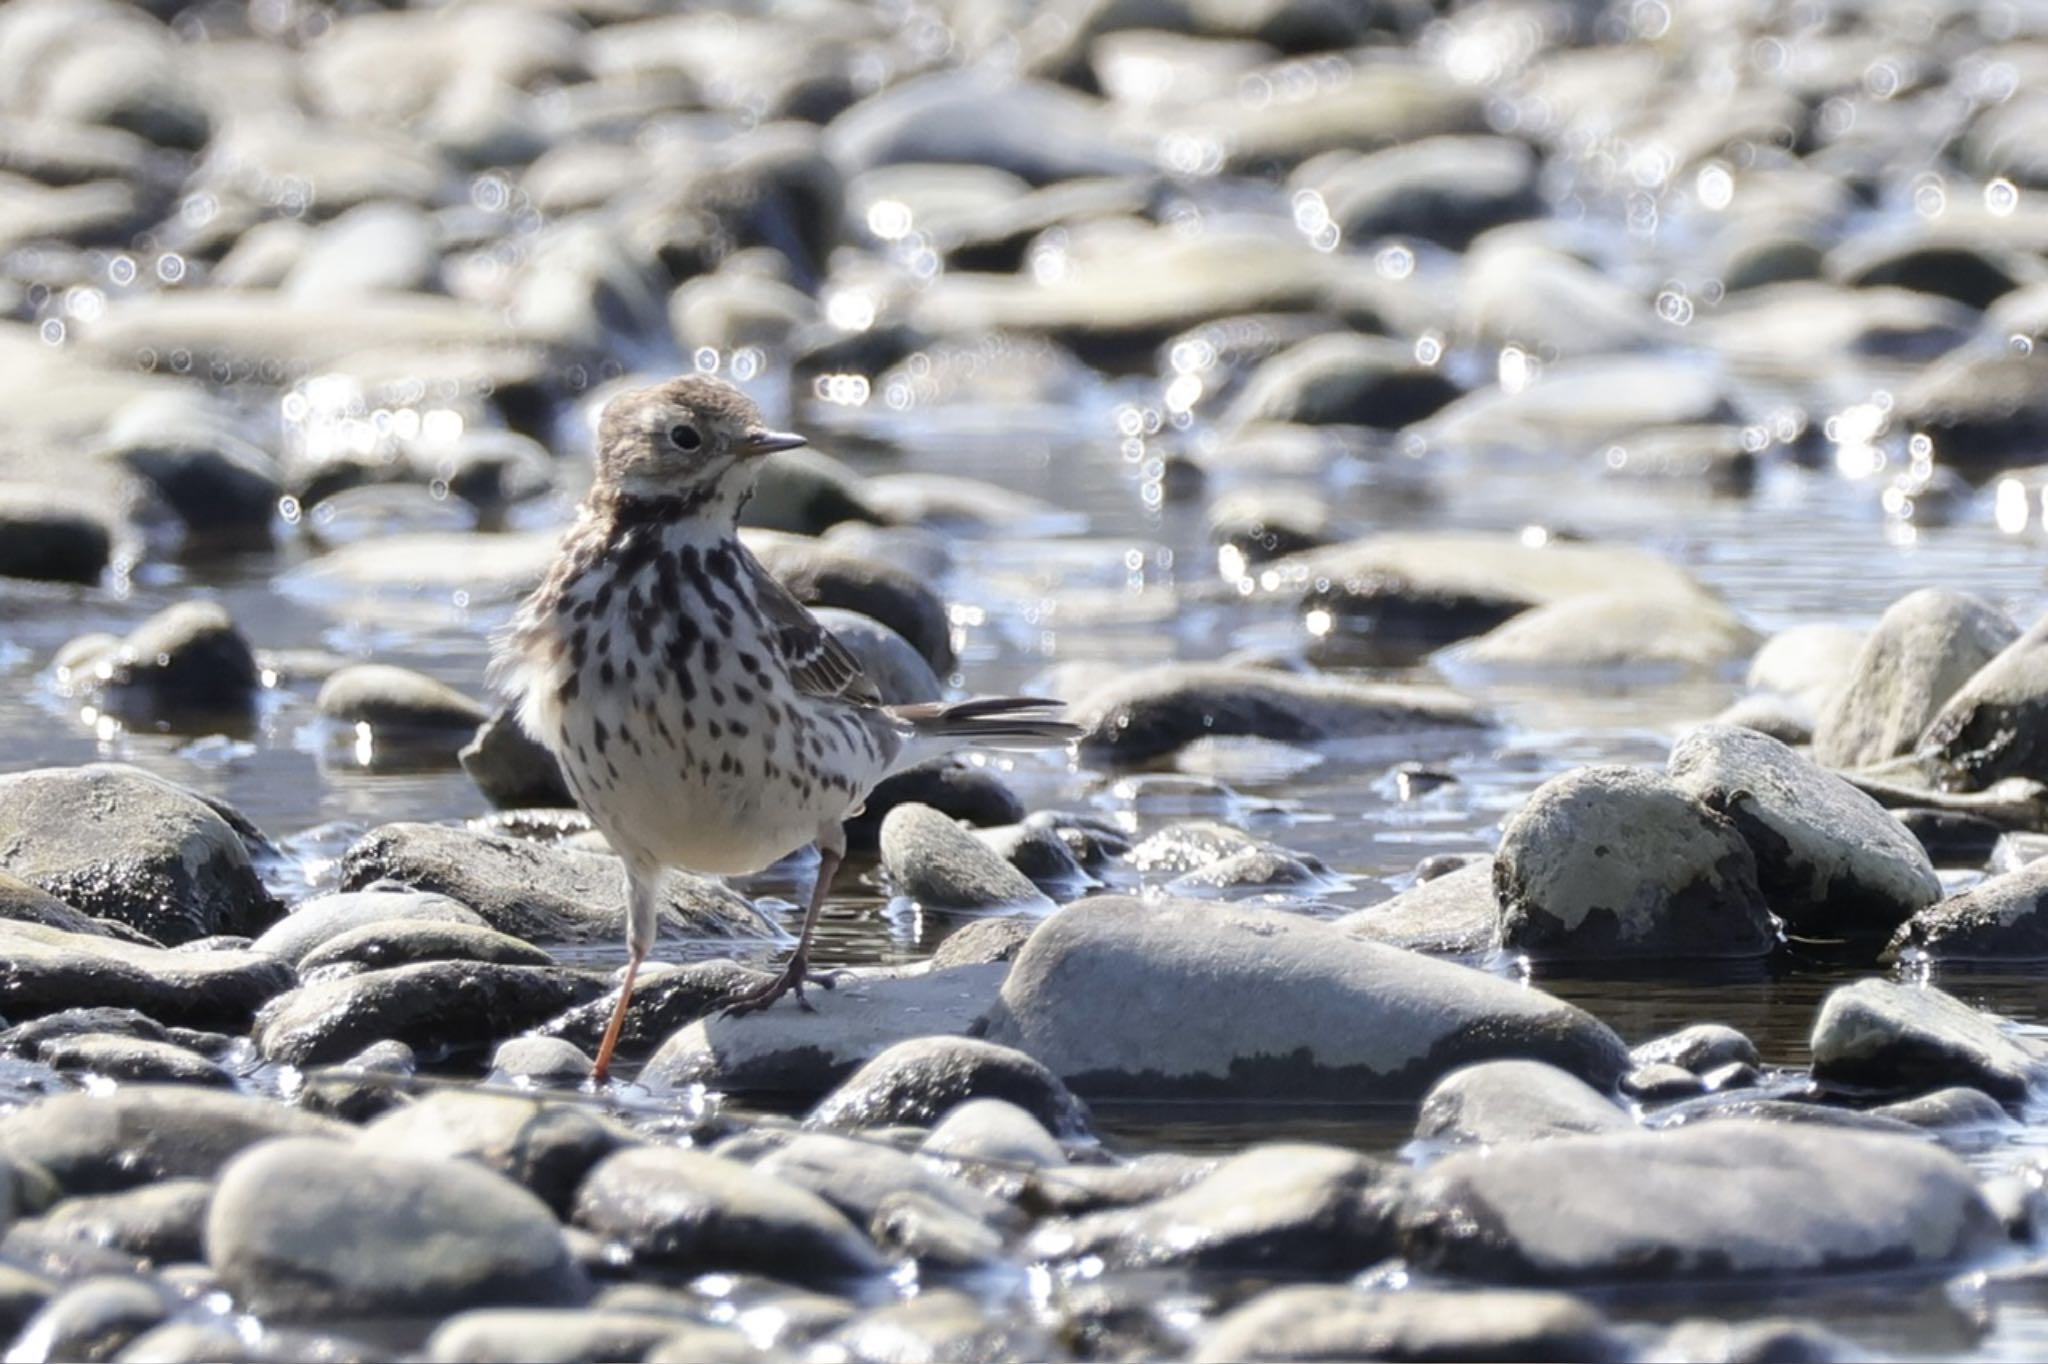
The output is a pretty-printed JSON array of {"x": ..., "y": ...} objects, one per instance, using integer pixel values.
[
  {"x": 941, "y": 866},
  {"x": 1699, "y": 1048},
  {"x": 2001, "y": 919},
  {"x": 787, "y": 1051},
  {"x": 993, "y": 1130},
  {"x": 546, "y": 1147},
  {"x": 401, "y": 942},
  {"x": 323, "y": 918},
  {"x": 1990, "y": 728},
  {"x": 1316, "y": 1321},
  {"x": 1725, "y": 1200},
  {"x": 164, "y": 1222},
  {"x": 1152, "y": 712},
  {"x": 1625, "y": 629},
  {"x": 917, "y": 1082},
  {"x": 1497, "y": 1103},
  {"x": 534, "y": 892},
  {"x": 94, "y": 1317},
  {"x": 119, "y": 843},
  {"x": 1453, "y": 915},
  {"x": 1618, "y": 862},
  {"x": 1131, "y": 998},
  {"x": 306, "y": 1230},
  {"x": 861, "y": 1177},
  {"x": 44, "y": 970},
  {"x": 133, "y": 1060},
  {"x": 142, "y": 1134},
  {"x": 1923, "y": 648},
  {"x": 1829, "y": 859},
  {"x": 541, "y": 1335},
  {"x": 432, "y": 1006},
  {"x": 1884, "y": 1036},
  {"x": 402, "y": 708},
  {"x": 1443, "y": 189},
  {"x": 692, "y": 1213},
  {"x": 666, "y": 998}
]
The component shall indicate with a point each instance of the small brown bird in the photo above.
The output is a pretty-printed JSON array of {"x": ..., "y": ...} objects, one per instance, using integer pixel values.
[{"x": 701, "y": 716}]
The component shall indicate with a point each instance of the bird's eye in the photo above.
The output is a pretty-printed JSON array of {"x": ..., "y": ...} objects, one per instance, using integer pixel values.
[{"x": 684, "y": 436}]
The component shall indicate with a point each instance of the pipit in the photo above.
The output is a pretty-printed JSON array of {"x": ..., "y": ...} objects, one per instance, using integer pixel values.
[{"x": 701, "y": 716}]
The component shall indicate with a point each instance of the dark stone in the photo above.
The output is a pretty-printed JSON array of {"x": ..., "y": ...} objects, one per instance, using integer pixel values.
[
  {"x": 435, "y": 1007},
  {"x": 919, "y": 1081}
]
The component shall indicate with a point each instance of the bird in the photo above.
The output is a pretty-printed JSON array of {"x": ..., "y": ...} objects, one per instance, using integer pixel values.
[{"x": 701, "y": 716}]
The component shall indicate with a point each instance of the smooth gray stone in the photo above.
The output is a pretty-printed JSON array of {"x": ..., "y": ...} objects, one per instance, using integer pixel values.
[
  {"x": 546, "y": 1060},
  {"x": 940, "y": 1238},
  {"x": 2003, "y": 918},
  {"x": 1262, "y": 868},
  {"x": 1453, "y": 915},
  {"x": 224, "y": 489},
  {"x": 163, "y": 1222},
  {"x": 692, "y": 1213},
  {"x": 1699, "y": 1048},
  {"x": 511, "y": 768},
  {"x": 1619, "y": 862},
  {"x": 666, "y": 998},
  {"x": 92, "y": 1319},
  {"x": 398, "y": 703},
  {"x": 542, "y": 1335},
  {"x": 1316, "y": 1321},
  {"x": 1776, "y": 716},
  {"x": 823, "y": 573},
  {"x": 1039, "y": 131},
  {"x": 1344, "y": 379},
  {"x": 315, "y": 922},
  {"x": 1771, "y": 1341},
  {"x": 979, "y": 942},
  {"x": 186, "y": 660},
  {"x": 544, "y": 1146},
  {"x": 1130, "y": 997},
  {"x": 304, "y": 1229},
  {"x": 1990, "y": 728},
  {"x": 371, "y": 248},
  {"x": 431, "y": 1006},
  {"x": 1279, "y": 1208},
  {"x": 899, "y": 672},
  {"x": 48, "y": 970},
  {"x": 1622, "y": 630},
  {"x": 1984, "y": 410},
  {"x": 919, "y": 1080},
  {"x": 1830, "y": 860},
  {"x": 1037, "y": 850},
  {"x": 1444, "y": 189},
  {"x": 46, "y": 537},
  {"x": 1152, "y": 712},
  {"x": 805, "y": 492},
  {"x": 786, "y": 1051},
  {"x": 1807, "y": 664},
  {"x": 993, "y": 1130},
  {"x": 24, "y": 902},
  {"x": 402, "y": 942},
  {"x": 142, "y": 1134},
  {"x": 1497, "y": 1103},
  {"x": 119, "y": 843},
  {"x": 940, "y": 1323},
  {"x": 28, "y": 1039},
  {"x": 133, "y": 1060},
  {"x": 1884, "y": 1036},
  {"x": 858, "y": 1177},
  {"x": 1924, "y": 647},
  {"x": 1722, "y": 1200},
  {"x": 1955, "y": 1109},
  {"x": 941, "y": 866},
  {"x": 540, "y": 894}
]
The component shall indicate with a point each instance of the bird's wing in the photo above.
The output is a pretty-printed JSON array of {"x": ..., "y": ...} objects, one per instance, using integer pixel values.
[{"x": 818, "y": 663}]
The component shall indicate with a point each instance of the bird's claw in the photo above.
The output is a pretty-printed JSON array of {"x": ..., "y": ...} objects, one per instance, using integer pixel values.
[{"x": 791, "y": 980}]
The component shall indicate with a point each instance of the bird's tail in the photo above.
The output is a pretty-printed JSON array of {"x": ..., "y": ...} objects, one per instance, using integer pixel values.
[{"x": 987, "y": 721}]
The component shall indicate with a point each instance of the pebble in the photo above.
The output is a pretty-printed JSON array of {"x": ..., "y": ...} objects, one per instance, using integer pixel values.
[
  {"x": 403, "y": 710},
  {"x": 919, "y": 1080},
  {"x": 990, "y": 1129},
  {"x": 1699, "y": 1048},
  {"x": 132, "y": 1060},
  {"x": 437, "y": 1008},
  {"x": 941, "y": 866},
  {"x": 1497, "y": 1103},
  {"x": 540, "y": 1060},
  {"x": 307, "y": 1230}
]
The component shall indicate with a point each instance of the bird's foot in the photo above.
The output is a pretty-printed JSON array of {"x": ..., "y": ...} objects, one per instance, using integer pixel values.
[{"x": 789, "y": 981}]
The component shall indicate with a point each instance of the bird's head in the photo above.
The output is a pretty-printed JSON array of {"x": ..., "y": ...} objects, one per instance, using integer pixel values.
[{"x": 696, "y": 438}]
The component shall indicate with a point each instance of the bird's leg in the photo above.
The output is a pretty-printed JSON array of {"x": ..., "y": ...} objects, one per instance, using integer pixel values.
[
  {"x": 643, "y": 909},
  {"x": 793, "y": 977}
]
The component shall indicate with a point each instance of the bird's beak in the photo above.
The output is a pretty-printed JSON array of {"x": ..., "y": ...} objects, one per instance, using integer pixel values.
[{"x": 758, "y": 443}]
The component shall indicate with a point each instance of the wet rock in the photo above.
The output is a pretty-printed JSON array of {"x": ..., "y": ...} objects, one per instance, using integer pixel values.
[
  {"x": 541, "y": 1060},
  {"x": 1758, "y": 1342},
  {"x": 1726, "y": 1200},
  {"x": 993, "y": 1130},
  {"x": 1956, "y": 1110},
  {"x": 45, "y": 970},
  {"x": 22, "y": 1293},
  {"x": 305, "y": 1229},
  {"x": 799, "y": 1055},
  {"x": 1453, "y": 915},
  {"x": 1780, "y": 718},
  {"x": 122, "y": 844},
  {"x": 821, "y": 573},
  {"x": 187, "y": 660},
  {"x": 1496, "y": 1103},
  {"x": 1253, "y": 869},
  {"x": 370, "y": 248},
  {"x": 143, "y": 1134},
  {"x": 1446, "y": 190},
  {"x": 548, "y": 1336},
  {"x": 1989, "y": 729},
  {"x": 512, "y": 769},
  {"x": 93, "y": 1319},
  {"x": 42, "y": 536},
  {"x": 1342, "y": 379},
  {"x": 1883, "y": 1036},
  {"x": 1806, "y": 664},
  {"x": 1152, "y": 712},
  {"x": 940, "y": 1238},
  {"x": 1033, "y": 130},
  {"x": 920, "y": 1080},
  {"x": 666, "y": 997},
  {"x": 434, "y": 1007},
  {"x": 21, "y": 902},
  {"x": 1523, "y": 289},
  {"x": 223, "y": 489},
  {"x": 984, "y": 940},
  {"x": 941, "y": 866},
  {"x": 2001, "y": 919},
  {"x": 543, "y": 1146},
  {"x": 1699, "y": 1048},
  {"x": 1971, "y": 268},
  {"x": 953, "y": 787},
  {"x": 1331, "y": 1322},
  {"x": 1037, "y": 850},
  {"x": 1660, "y": 1083},
  {"x": 1718, "y": 456},
  {"x": 164, "y": 1222},
  {"x": 536, "y": 893},
  {"x": 1951, "y": 838},
  {"x": 27, "y": 1039},
  {"x": 402, "y": 942},
  {"x": 1984, "y": 411},
  {"x": 806, "y": 492},
  {"x": 688, "y": 1212},
  {"x": 1923, "y": 648},
  {"x": 1176, "y": 998},
  {"x": 133, "y": 1060},
  {"x": 1625, "y": 629},
  {"x": 1251, "y": 526},
  {"x": 1282, "y": 1208},
  {"x": 406, "y": 710},
  {"x": 1618, "y": 861},
  {"x": 899, "y": 672},
  {"x": 315, "y": 922},
  {"x": 1829, "y": 859},
  {"x": 860, "y": 1177},
  {"x": 711, "y": 1345}
]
